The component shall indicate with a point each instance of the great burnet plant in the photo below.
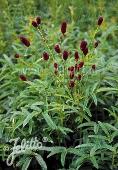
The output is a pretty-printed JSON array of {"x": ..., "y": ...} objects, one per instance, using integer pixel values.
[
  {"x": 60, "y": 79},
  {"x": 51, "y": 94}
]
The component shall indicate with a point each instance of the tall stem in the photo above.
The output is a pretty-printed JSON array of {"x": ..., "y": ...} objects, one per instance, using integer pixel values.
[{"x": 45, "y": 41}]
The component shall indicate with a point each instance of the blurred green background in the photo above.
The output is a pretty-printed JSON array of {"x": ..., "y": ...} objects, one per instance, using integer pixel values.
[{"x": 16, "y": 16}]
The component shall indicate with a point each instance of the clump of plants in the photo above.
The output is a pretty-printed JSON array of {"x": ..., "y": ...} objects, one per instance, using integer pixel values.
[{"x": 50, "y": 92}]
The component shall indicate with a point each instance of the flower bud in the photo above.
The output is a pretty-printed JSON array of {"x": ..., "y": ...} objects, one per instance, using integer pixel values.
[
  {"x": 45, "y": 56},
  {"x": 23, "y": 77},
  {"x": 65, "y": 55},
  {"x": 63, "y": 27},
  {"x": 38, "y": 20},
  {"x": 17, "y": 56},
  {"x": 55, "y": 65},
  {"x": 34, "y": 24},
  {"x": 57, "y": 48},
  {"x": 85, "y": 51},
  {"x": 96, "y": 43},
  {"x": 71, "y": 68},
  {"x": 76, "y": 56},
  {"x": 71, "y": 84},
  {"x": 79, "y": 77},
  {"x": 83, "y": 45},
  {"x": 100, "y": 20},
  {"x": 25, "y": 41},
  {"x": 93, "y": 67},
  {"x": 71, "y": 74},
  {"x": 81, "y": 64}
]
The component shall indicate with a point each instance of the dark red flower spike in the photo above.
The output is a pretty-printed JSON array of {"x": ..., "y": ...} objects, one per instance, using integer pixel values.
[
  {"x": 23, "y": 77},
  {"x": 71, "y": 83},
  {"x": 81, "y": 64},
  {"x": 55, "y": 65},
  {"x": 65, "y": 55},
  {"x": 57, "y": 48},
  {"x": 76, "y": 56},
  {"x": 93, "y": 67},
  {"x": 79, "y": 77},
  {"x": 34, "y": 24},
  {"x": 63, "y": 27},
  {"x": 17, "y": 56},
  {"x": 25, "y": 41},
  {"x": 96, "y": 43},
  {"x": 38, "y": 20},
  {"x": 72, "y": 68},
  {"x": 71, "y": 75},
  {"x": 45, "y": 56},
  {"x": 100, "y": 20},
  {"x": 83, "y": 45},
  {"x": 85, "y": 51}
]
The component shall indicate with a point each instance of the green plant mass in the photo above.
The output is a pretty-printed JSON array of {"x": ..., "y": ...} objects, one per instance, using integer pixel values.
[{"x": 58, "y": 85}]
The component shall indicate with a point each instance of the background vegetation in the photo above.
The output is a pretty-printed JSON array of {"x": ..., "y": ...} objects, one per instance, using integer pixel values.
[{"x": 84, "y": 130}]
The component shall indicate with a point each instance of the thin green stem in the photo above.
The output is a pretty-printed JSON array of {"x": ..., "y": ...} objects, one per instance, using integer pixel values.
[{"x": 45, "y": 41}]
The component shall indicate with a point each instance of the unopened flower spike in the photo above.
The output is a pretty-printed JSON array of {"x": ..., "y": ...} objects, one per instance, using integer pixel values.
[
  {"x": 63, "y": 27},
  {"x": 65, "y": 55},
  {"x": 25, "y": 41},
  {"x": 23, "y": 77},
  {"x": 45, "y": 56},
  {"x": 57, "y": 48},
  {"x": 100, "y": 20}
]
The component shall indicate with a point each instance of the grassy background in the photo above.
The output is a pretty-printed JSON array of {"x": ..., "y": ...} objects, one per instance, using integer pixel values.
[{"x": 16, "y": 15}]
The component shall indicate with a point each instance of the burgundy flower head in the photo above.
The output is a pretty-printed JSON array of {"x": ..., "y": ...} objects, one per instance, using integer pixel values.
[
  {"x": 76, "y": 56},
  {"x": 57, "y": 48},
  {"x": 38, "y": 20},
  {"x": 71, "y": 68},
  {"x": 85, "y": 51},
  {"x": 100, "y": 20},
  {"x": 83, "y": 45},
  {"x": 81, "y": 64},
  {"x": 71, "y": 74},
  {"x": 34, "y": 23},
  {"x": 63, "y": 27},
  {"x": 23, "y": 77},
  {"x": 65, "y": 55},
  {"x": 96, "y": 43},
  {"x": 79, "y": 77},
  {"x": 55, "y": 65},
  {"x": 25, "y": 41},
  {"x": 17, "y": 56},
  {"x": 45, "y": 56},
  {"x": 93, "y": 67},
  {"x": 71, "y": 84}
]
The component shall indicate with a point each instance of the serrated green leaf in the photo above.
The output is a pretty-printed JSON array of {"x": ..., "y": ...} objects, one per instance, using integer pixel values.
[
  {"x": 49, "y": 121},
  {"x": 94, "y": 162},
  {"x": 41, "y": 161},
  {"x": 26, "y": 163},
  {"x": 63, "y": 157},
  {"x": 94, "y": 99},
  {"x": 102, "y": 89},
  {"x": 103, "y": 127},
  {"x": 28, "y": 118}
]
